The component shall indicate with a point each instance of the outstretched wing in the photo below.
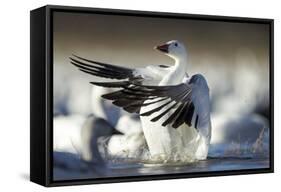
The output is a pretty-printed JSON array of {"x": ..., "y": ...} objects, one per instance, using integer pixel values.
[
  {"x": 102, "y": 69},
  {"x": 176, "y": 101},
  {"x": 150, "y": 75},
  {"x": 187, "y": 102}
]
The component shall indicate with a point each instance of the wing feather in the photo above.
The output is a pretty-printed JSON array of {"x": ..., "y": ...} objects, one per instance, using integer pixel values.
[{"x": 101, "y": 69}]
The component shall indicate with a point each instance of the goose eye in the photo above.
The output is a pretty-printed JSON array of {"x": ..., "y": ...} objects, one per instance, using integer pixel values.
[{"x": 176, "y": 44}]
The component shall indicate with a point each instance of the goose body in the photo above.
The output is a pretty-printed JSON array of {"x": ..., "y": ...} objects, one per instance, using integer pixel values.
[
  {"x": 184, "y": 143},
  {"x": 174, "y": 108}
]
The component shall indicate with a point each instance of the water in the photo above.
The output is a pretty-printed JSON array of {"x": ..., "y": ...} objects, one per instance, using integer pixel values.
[
  {"x": 222, "y": 157},
  {"x": 139, "y": 169}
]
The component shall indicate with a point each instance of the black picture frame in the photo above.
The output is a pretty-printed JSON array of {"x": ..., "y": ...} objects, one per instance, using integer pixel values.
[{"x": 41, "y": 94}]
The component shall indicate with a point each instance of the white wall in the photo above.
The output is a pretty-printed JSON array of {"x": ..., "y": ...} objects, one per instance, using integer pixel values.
[{"x": 14, "y": 83}]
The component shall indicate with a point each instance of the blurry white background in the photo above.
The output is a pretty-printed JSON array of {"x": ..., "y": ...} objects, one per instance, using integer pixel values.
[{"x": 14, "y": 79}]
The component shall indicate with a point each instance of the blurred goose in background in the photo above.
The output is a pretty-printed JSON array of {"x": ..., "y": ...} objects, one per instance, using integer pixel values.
[
  {"x": 80, "y": 136},
  {"x": 174, "y": 108},
  {"x": 95, "y": 130}
]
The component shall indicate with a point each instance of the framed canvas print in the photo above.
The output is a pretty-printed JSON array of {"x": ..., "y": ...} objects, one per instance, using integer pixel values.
[{"x": 120, "y": 95}]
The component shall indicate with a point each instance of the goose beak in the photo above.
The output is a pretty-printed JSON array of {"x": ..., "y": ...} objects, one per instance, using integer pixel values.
[
  {"x": 116, "y": 132},
  {"x": 163, "y": 48}
]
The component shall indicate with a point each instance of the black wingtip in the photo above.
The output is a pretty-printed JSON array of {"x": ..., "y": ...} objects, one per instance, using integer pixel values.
[
  {"x": 117, "y": 84},
  {"x": 73, "y": 61},
  {"x": 75, "y": 55},
  {"x": 113, "y": 95},
  {"x": 101, "y": 84},
  {"x": 96, "y": 83}
]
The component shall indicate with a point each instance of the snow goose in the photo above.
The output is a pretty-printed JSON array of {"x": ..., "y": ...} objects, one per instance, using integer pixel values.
[
  {"x": 93, "y": 131},
  {"x": 174, "y": 108},
  {"x": 80, "y": 136}
]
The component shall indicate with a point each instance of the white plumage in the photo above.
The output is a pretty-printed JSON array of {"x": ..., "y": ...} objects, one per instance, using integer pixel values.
[{"x": 174, "y": 108}]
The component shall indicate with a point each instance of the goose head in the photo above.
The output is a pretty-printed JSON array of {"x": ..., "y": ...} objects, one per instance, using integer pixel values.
[
  {"x": 104, "y": 129},
  {"x": 173, "y": 49},
  {"x": 96, "y": 127}
]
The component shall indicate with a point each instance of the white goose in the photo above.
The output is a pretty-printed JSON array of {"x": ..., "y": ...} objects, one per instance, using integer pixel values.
[{"x": 174, "y": 108}]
